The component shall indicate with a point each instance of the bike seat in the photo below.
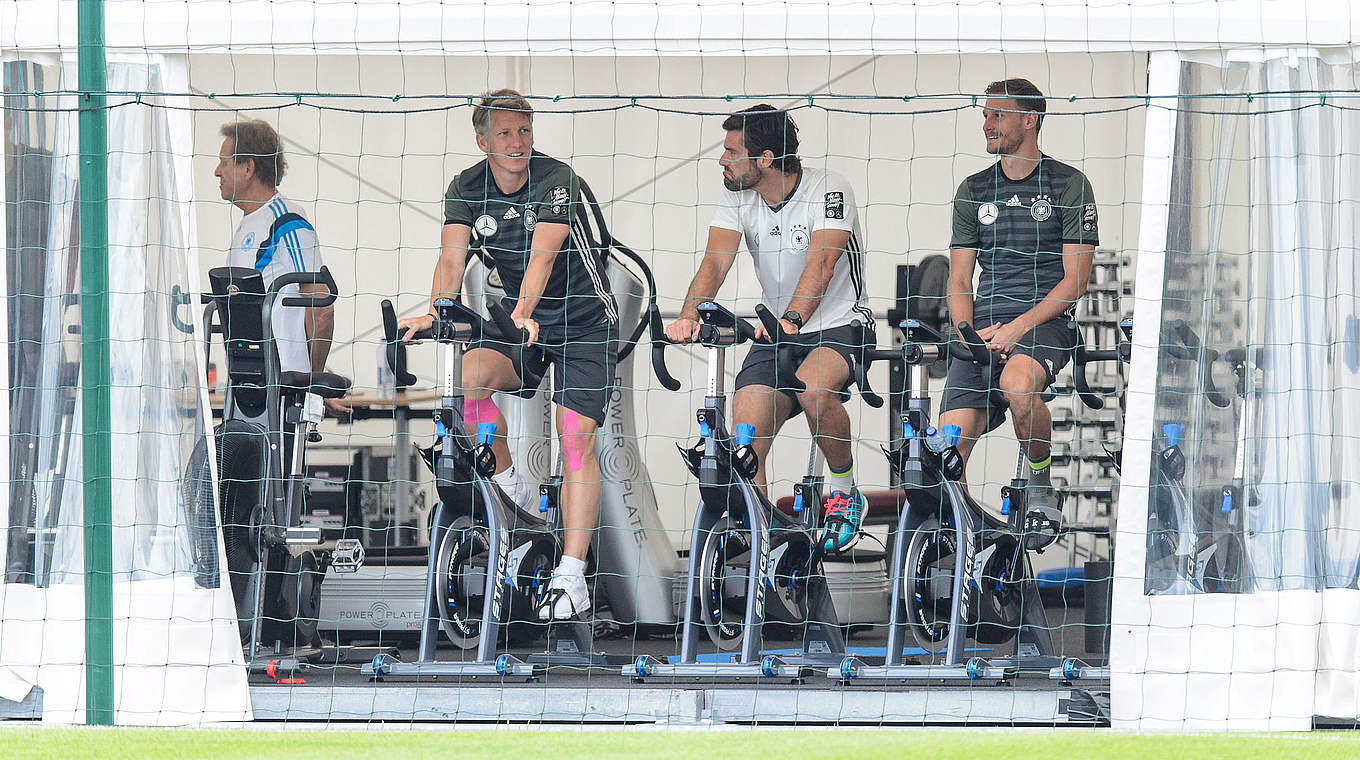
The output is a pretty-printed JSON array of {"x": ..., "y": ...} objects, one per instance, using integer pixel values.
[{"x": 323, "y": 384}]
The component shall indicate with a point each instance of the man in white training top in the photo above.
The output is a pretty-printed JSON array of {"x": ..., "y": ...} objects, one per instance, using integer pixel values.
[
  {"x": 802, "y": 229},
  {"x": 275, "y": 238}
]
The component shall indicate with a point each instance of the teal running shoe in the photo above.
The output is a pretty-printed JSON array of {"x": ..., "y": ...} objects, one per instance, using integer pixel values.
[{"x": 842, "y": 515}]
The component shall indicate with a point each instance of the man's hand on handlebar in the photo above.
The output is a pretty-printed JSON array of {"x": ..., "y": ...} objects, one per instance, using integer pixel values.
[
  {"x": 411, "y": 325},
  {"x": 526, "y": 324},
  {"x": 683, "y": 330},
  {"x": 787, "y": 326},
  {"x": 337, "y": 407},
  {"x": 1002, "y": 338}
]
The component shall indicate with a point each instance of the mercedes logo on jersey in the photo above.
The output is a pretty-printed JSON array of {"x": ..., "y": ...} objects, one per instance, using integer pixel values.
[
  {"x": 485, "y": 225},
  {"x": 987, "y": 213}
]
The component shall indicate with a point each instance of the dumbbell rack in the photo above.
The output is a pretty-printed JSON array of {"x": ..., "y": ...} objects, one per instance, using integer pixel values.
[{"x": 1082, "y": 469}]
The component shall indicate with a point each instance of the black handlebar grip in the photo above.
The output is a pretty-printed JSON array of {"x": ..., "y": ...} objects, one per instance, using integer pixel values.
[
  {"x": 322, "y": 277},
  {"x": 1216, "y": 397},
  {"x": 659, "y": 343},
  {"x": 860, "y": 371},
  {"x": 786, "y": 375},
  {"x": 773, "y": 329},
  {"x": 178, "y": 298},
  {"x": 505, "y": 325},
  {"x": 395, "y": 350},
  {"x": 389, "y": 318},
  {"x": 1084, "y": 392},
  {"x": 973, "y": 342},
  {"x": 1185, "y": 344}
]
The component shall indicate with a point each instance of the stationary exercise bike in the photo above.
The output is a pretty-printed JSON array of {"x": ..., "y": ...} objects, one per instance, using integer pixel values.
[
  {"x": 958, "y": 571},
  {"x": 490, "y": 561},
  {"x": 1182, "y": 556},
  {"x": 274, "y": 565},
  {"x": 749, "y": 563}
]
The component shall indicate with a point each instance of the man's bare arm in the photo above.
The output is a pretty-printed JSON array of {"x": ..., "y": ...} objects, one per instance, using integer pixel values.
[
  {"x": 1077, "y": 262},
  {"x": 719, "y": 255},
  {"x": 547, "y": 241},
  {"x": 960, "y": 293},
  {"x": 448, "y": 273},
  {"x": 319, "y": 325}
]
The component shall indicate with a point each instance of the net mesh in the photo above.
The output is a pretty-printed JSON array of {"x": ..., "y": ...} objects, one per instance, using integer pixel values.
[{"x": 1202, "y": 196}]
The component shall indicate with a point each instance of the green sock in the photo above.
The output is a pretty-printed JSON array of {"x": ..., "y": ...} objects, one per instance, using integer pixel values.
[{"x": 1038, "y": 471}]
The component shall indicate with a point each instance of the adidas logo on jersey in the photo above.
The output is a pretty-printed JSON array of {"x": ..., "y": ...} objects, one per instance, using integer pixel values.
[
  {"x": 511, "y": 213},
  {"x": 1014, "y": 201},
  {"x": 774, "y": 231}
]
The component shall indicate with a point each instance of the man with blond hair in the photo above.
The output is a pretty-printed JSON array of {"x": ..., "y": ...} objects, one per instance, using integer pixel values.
[{"x": 524, "y": 210}]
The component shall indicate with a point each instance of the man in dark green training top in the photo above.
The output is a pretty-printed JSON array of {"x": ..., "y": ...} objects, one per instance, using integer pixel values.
[
  {"x": 525, "y": 210},
  {"x": 1029, "y": 222}
]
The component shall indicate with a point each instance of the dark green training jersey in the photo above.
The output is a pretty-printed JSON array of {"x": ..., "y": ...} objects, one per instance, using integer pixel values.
[
  {"x": 1018, "y": 228},
  {"x": 577, "y": 294}
]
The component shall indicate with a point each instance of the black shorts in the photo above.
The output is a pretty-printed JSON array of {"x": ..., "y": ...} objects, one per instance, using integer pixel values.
[
  {"x": 583, "y": 362},
  {"x": 759, "y": 367},
  {"x": 970, "y": 386}
]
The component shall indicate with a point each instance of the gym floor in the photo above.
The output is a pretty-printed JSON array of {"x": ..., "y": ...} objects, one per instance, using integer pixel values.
[{"x": 1066, "y": 618}]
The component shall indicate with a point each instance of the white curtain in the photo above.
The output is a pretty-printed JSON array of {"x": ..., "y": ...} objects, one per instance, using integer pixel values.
[
  {"x": 1260, "y": 241},
  {"x": 176, "y": 645}
]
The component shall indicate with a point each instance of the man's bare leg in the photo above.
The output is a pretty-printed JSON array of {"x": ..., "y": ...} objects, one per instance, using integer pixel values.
[
  {"x": 486, "y": 371},
  {"x": 766, "y": 410},
  {"x": 1023, "y": 381},
  {"x": 568, "y": 594}
]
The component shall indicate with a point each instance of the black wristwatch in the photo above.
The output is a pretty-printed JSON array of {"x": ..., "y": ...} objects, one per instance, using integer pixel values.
[{"x": 794, "y": 317}]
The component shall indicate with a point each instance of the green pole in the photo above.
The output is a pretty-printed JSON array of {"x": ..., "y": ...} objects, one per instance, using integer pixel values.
[{"x": 94, "y": 364}]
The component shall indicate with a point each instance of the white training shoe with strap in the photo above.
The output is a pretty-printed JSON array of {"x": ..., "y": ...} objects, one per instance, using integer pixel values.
[{"x": 567, "y": 597}]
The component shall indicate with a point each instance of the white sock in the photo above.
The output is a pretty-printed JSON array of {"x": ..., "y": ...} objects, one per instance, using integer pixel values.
[
  {"x": 842, "y": 481},
  {"x": 571, "y": 566},
  {"x": 508, "y": 481}
]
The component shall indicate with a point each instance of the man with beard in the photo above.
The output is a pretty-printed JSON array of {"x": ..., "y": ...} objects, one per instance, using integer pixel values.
[
  {"x": 801, "y": 228},
  {"x": 1029, "y": 222}
]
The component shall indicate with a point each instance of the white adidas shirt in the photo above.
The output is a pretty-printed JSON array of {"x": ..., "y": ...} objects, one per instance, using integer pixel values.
[
  {"x": 778, "y": 238},
  {"x": 295, "y": 251}
]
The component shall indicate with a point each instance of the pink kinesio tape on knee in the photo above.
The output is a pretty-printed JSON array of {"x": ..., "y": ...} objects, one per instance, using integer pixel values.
[
  {"x": 573, "y": 445},
  {"x": 478, "y": 411}
]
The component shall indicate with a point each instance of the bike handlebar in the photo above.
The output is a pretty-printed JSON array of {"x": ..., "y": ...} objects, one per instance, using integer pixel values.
[
  {"x": 322, "y": 277},
  {"x": 1190, "y": 348},
  {"x": 179, "y": 297},
  {"x": 659, "y": 343},
  {"x": 716, "y": 318}
]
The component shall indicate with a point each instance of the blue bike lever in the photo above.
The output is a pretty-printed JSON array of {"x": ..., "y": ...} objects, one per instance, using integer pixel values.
[
  {"x": 485, "y": 432},
  {"x": 745, "y": 434}
]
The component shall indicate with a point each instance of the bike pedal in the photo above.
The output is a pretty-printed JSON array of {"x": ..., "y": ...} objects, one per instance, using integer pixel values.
[{"x": 347, "y": 556}]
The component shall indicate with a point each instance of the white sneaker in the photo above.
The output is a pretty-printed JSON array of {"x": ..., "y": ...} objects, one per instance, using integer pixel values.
[{"x": 567, "y": 597}]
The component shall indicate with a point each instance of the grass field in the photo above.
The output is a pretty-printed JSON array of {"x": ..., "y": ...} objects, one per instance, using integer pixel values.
[{"x": 681, "y": 744}]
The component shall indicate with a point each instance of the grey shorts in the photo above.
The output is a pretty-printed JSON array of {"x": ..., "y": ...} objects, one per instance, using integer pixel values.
[
  {"x": 760, "y": 364},
  {"x": 972, "y": 386},
  {"x": 583, "y": 366}
]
